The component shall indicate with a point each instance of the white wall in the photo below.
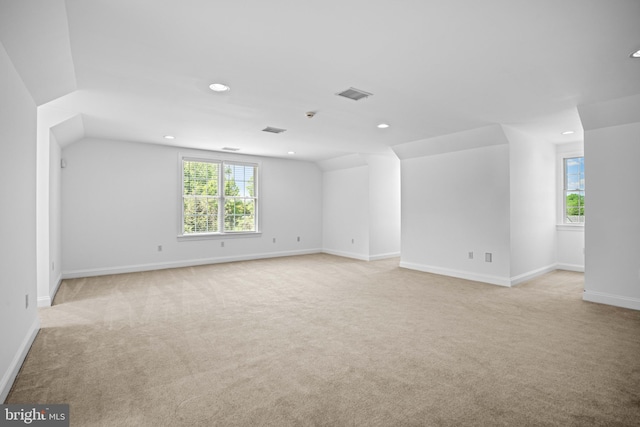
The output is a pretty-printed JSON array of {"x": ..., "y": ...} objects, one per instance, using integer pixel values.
[
  {"x": 345, "y": 212},
  {"x": 361, "y": 206},
  {"x": 18, "y": 325},
  {"x": 612, "y": 203},
  {"x": 455, "y": 203},
  {"x": 532, "y": 174},
  {"x": 55, "y": 219},
  {"x": 570, "y": 238},
  {"x": 120, "y": 200},
  {"x": 571, "y": 248},
  {"x": 384, "y": 206}
]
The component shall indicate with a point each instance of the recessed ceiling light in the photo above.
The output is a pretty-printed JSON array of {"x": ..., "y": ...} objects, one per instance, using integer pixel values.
[
  {"x": 383, "y": 125},
  {"x": 568, "y": 132},
  {"x": 291, "y": 152},
  {"x": 635, "y": 54},
  {"x": 219, "y": 87},
  {"x": 169, "y": 137}
]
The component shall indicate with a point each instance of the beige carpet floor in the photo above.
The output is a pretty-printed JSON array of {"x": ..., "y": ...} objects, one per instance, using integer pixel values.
[{"x": 320, "y": 340}]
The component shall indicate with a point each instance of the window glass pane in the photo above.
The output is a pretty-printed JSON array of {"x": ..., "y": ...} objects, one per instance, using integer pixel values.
[
  {"x": 200, "y": 178},
  {"x": 574, "y": 190},
  {"x": 189, "y": 210},
  {"x": 573, "y": 182},
  {"x": 212, "y": 214},
  {"x": 572, "y": 166},
  {"x": 249, "y": 219},
  {"x": 574, "y": 206},
  {"x": 230, "y": 186},
  {"x": 239, "y": 214},
  {"x": 240, "y": 180},
  {"x": 201, "y": 201},
  {"x": 200, "y": 183}
]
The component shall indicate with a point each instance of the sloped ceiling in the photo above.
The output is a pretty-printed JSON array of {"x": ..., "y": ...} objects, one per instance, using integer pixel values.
[
  {"x": 35, "y": 34},
  {"x": 434, "y": 67}
]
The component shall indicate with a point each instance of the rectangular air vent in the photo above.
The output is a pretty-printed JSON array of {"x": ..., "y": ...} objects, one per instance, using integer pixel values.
[
  {"x": 230, "y": 149},
  {"x": 273, "y": 130},
  {"x": 355, "y": 94}
]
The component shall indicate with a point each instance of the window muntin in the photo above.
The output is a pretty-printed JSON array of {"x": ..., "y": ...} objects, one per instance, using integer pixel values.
[
  {"x": 218, "y": 197},
  {"x": 574, "y": 190}
]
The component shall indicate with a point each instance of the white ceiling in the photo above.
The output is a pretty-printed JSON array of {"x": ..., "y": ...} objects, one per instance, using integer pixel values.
[{"x": 142, "y": 68}]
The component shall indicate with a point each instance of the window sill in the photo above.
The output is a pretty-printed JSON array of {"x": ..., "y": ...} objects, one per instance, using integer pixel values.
[
  {"x": 217, "y": 236},
  {"x": 570, "y": 227}
]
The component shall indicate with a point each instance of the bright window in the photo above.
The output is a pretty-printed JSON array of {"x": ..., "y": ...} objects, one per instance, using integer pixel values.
[
  {"x": 574, "y": 190},
  {"x": 218, "y": 197}
]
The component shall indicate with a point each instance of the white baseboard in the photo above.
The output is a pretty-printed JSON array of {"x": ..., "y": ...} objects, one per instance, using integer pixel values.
[
  {"x": 54, "y": 291},
  {"x": 12, "y": 372},
  {"x": 346, "y": 254},
  {"x": 384, "y": 256},
  {"x": 467, "y": 275},
  {"x": 532, "y": 274},
  {"x": 617, "y": 300},
  {"x": 74, "y": 274},
  {"x": 46, "y": 301},
  {"x": 571, "y": 267},
  {"x": 361, "y": 257}
]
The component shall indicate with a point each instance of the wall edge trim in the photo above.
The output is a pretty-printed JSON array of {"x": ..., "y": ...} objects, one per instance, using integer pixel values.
[
  {"x": 610, "y": 299},
  {"x": 347, "y": 254},
  {"x": 46, "y": 301},
  {"x": 467, "y": 275},
  {"x": 10, "y": 375},
  {"x": 516, "y": 280},
  {"x": 571, "y": 267},
  {"x": 384, "y": 256},
  {"x": 74, "y": 274}
]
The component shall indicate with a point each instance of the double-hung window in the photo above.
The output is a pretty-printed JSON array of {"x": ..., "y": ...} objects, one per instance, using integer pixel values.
[
  {"x": 219, "y": 197},
  {"x": 573, "y": 210}
]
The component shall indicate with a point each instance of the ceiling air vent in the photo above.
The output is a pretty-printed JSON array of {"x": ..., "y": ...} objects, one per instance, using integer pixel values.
[
  {"x": 273, "y": 130},
  {"x": 355, "y": 94},
  {"x": 230, "y": 149}
]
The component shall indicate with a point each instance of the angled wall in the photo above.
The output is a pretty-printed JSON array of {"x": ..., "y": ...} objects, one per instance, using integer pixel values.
[
  {"x": 455, "y": 202},
  {"x": 612, "y": 226},
  {"x": 50, "y": 287},
  {"x": 361, "y": 206},
  {"x": 19, "y": 322},
  {"x": 384, "y": 206},
  {"x": 489, "y": 190},
  {"x": 532, "y": 214}
]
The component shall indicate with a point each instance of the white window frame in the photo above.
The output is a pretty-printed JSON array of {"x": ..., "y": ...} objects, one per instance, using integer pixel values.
[
  {"x": 561, "y": 199},
  {"x": 222, "y": 161}
]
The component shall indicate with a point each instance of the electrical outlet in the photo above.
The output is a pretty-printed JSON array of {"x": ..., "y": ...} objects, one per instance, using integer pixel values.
[
  {"x": 488, "y": 257},
  {"x": 470, "y": 255},
  {"x": 222, "y": 244},
  {"x": 26, "y": 301},
  {"x": 274, "y": 240},
  {"x": 159, "y": 248},
  {"x": 298, "y": 238},
  {"x": 353, "y": 241}
]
